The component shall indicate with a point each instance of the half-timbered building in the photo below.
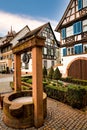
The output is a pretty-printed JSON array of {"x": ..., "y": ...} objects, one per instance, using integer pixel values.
[
  {"x": 73, "y": 30},
  {"x": 6, "y": 44},
  {"x": 50, "y": 50}
]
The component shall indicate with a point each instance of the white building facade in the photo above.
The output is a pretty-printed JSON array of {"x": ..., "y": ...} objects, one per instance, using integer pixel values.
[{"x": 73, "y": 30}]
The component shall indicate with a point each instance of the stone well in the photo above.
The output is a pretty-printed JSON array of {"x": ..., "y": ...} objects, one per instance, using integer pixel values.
[{"x": 21, "y": 114}]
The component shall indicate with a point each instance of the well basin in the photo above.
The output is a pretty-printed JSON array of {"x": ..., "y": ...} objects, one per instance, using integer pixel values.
[{"x": 18, "y": 108}]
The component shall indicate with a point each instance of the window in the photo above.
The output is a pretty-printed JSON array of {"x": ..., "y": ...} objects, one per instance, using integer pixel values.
[
  {"x": 69, "y": 31},
  {"x": 52, "y": 52},
  {"x": 45, "y": 51},
  {"x": 45, "y": 63},
  {"x": 52, "y": 64},
  {"x": 70, "y": 51},
  {"x": 77, "y": 27},
  {"x": 48, "y": 41},
  {"x": 79, "y": 4},
  {"x": 84, "y": 3},
  {"x": 63, "y": 33},
  {"x": 49, "y": 51},
  {"x": 85, "y": 48},
  {"x": 26, "y": 65},
  {"x": 84, "y": 25}
]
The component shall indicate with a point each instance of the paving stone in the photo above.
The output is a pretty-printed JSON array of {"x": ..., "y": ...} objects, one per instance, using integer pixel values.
[{"x": 59, "y": 117}]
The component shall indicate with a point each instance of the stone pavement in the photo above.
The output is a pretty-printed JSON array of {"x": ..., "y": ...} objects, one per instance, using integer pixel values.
[
  {"x": 59, "y": 117},
  {"x": 5, "y": 83}
]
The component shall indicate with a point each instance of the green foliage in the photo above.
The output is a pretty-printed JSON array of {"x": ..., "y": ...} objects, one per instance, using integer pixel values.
[
  {"x": 77, "y": 97},
  {"x": 50, "y": 75},
  {"x": 75, "y": 81},
  {"x": 24, "y": 79},
  {"x": 24, "y": 87},
  {"x": 27, "y": 79},
  {"x": 74, "y": 95},
  {"x": 44, "y": 72},
  {"x": 56, "y": 75}
]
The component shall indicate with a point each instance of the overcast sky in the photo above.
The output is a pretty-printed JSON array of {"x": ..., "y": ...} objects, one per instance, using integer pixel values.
[{"x": 34, "y": 13}]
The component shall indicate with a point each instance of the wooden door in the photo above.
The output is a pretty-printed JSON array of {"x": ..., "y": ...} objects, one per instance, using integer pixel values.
[{"x": 78, "y": 69}]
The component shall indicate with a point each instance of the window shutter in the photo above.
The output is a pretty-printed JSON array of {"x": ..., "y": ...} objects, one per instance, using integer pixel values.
[
  {"x": 80, "y": 49},
  {"x": 79, "y": 4},
  {"x": 63, "y": 33},
  {"x": 74, "y": 28},
  {"x": 77, "y": 27},
  {"x": 76, "y": 49},
  {"x": 64, "y": 51}
]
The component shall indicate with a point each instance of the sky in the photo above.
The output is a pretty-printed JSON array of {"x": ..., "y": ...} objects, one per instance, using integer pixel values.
[{"x": 34, "y": 13}]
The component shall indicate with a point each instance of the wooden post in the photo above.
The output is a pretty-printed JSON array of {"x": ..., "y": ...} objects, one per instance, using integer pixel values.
[
  {"x": 37, "y": 86},
  {"x": 17, "y": 72}
]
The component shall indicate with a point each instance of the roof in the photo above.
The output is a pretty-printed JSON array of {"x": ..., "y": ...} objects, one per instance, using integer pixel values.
[
  {"x": 6, "y": 40},
  {"x": 37, "y": 31},
  {"x": 63, "y": 17},
  {"x": 33, "y": 32},
  {"x": 22, "y": 30},
  {"x": 9, "y": 37}
]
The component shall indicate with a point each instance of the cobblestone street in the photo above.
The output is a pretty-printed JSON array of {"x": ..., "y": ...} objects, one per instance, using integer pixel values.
[
  {"x": 5, "y": 83},
  {"x": 59, "y": 117}
]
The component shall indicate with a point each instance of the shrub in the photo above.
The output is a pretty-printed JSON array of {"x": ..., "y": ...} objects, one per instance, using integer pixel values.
[
  {"x": 3, "y": 71},
  {"x": 76, "y": 97},
  {"x": 44, "y": 83},
  {"x": 57, "y": 75},
  {"x": 44, "y": 72},
  {"x": 50, "y": 75},
  {"x": 25, "y": 88},
  {"x": 75, "y": 81},
  {"x": 55, "y": 92},
  {"x": 29, "y": 81}
]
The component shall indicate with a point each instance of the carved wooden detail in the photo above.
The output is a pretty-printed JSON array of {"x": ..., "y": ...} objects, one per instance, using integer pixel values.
[
  {"x": 83, "y": 12},
  {"x": 70, "y": 39},
  {"x": 84, "y": 36},
  {"x": 74, "y": 13},
  {"x": 75, "y": 39}
]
